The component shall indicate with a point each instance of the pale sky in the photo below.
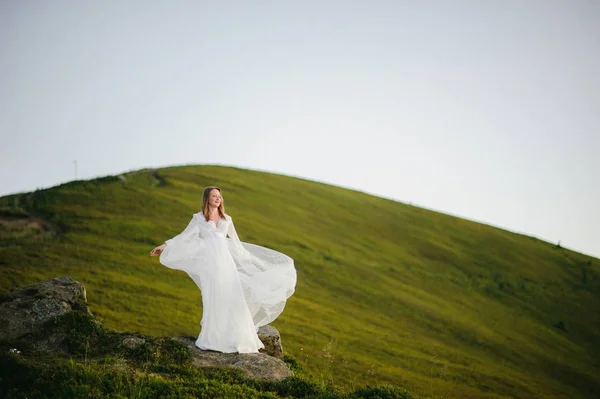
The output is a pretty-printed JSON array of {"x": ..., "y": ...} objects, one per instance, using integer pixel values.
[{"x": 488, "y": 110}]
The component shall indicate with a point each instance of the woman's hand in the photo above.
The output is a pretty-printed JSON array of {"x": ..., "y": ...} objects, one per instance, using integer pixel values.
[{"x": 158, "y": 250}]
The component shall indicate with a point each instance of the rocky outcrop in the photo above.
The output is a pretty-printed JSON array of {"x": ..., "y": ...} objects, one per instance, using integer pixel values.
[
  {"x": 272, "y": 340},
  {"x": 253, "y": 365},
  {"x": 26, "y": 313},
  {"x": 133, "y": 342},
  {"x": 26, "y": 310}
]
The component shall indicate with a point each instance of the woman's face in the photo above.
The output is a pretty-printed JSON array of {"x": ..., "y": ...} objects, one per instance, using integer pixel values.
[{"x": 214, "y": 198}]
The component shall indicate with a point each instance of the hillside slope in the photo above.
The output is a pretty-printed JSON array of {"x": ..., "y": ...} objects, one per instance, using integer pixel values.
[{"x": 387, "y": 292}]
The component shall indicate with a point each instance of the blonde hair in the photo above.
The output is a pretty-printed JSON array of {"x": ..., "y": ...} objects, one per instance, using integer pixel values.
[{"x": 220, "y": 209}]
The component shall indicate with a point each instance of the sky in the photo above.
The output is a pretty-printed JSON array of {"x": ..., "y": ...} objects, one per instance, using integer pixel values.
[{"x": 488, "y": 110}]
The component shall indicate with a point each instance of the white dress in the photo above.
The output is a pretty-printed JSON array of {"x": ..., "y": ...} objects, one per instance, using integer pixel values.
[{"x": 244, "y": 286}]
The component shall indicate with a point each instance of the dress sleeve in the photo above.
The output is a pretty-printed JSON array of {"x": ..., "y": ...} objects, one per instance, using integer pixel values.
[
  {"x": 235, "y": 245},
  {"x": 231, "y": 231},
  {"x": 185, "y": 235},
  {"x": 182, "y": 251},
  {"x": 268, "y": 277}
]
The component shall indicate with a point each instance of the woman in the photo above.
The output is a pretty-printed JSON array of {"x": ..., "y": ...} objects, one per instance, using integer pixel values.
[{"x": 243, "y": 286}]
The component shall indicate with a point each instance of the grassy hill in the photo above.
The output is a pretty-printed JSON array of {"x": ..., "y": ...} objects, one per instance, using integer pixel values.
[{"x": 387, "y": 292}]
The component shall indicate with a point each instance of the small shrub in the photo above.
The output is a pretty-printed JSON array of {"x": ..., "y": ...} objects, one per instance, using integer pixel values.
[
  {"x": 381, "y": 392},
  {"x": 296, "y": 387},
  {"x": 174, "y": 352},
  {"x": 561, "y": 326},
  {"x": 292, "y": 363}
]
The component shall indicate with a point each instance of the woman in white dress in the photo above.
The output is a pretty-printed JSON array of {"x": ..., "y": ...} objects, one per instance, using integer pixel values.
[{"x": 244, "y": 286}]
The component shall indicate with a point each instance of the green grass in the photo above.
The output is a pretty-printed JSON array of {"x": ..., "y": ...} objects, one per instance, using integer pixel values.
[
  {"x": 387, "y": 293},
  {"x": 116, "y": 378},
  {"x": 93, "y": 362}
]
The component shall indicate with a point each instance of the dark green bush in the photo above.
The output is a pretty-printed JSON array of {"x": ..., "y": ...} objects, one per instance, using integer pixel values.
[{"x": 381, "y": 392}]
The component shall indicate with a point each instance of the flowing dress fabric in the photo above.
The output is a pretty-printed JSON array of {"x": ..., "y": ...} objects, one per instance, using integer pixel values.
[{"x": 244, "y": 286}]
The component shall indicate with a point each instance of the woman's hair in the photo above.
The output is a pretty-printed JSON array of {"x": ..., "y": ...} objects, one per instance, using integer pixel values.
[{"x": 205, "y": 195}]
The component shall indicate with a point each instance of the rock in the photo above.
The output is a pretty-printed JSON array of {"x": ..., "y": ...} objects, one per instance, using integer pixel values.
[
  {"x": 25, "y": 313},
  {"x": 133, "y": 342},
  {"x": 253, "y": 365},
  {"x": 26, "y": 310},
  {"x": 272, "y": 340}
]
